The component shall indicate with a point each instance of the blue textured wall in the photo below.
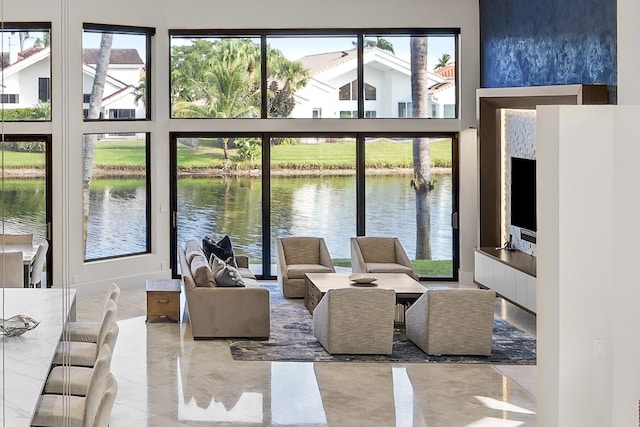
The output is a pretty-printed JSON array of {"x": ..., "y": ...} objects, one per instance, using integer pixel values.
[{"x": 547, "y": 42}]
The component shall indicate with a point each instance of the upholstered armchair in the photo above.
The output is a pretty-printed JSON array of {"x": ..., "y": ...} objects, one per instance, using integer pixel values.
[
  {"x": 380, "y": 255},
  {"x": 452, "y": 321},
  {"x": 297, "y": 256},
  {"x": 356, "y": 320}
]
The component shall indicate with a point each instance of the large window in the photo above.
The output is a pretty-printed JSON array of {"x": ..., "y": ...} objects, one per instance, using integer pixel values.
[
  {"x": 217, "y": 75},
  {"x": 313, "y": 191},
  {"x": 115, "y": 72},
  {"x": 332, "y": 181},
  {"x": 218, "y": 191},
  {"x": 422, "y": 196},
  {"x": 117, "y": 204},
  {"x": 25, "y": 93}
]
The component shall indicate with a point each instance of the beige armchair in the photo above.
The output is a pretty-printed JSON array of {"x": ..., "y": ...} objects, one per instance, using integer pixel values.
[
  {"x": 380, "y": 255},
  {"x": 356, "y": 320},
  {"x": 452, "y": 321},
  {"x": 297, "y": 256}
]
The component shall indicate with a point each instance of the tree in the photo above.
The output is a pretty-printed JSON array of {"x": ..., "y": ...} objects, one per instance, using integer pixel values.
[
  {"x": 421, "y": 151},
  {"x": 95, "y": 106},
  {"x": 443, "y": 61},
  {"x": 380, "y": 43},
  {"x": 221, "y": 79}
]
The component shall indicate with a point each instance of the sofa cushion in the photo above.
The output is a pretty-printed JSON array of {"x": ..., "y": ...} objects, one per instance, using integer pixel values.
[
  {"x": 191, "y": 249},
  {"x": 296, "y": 271},
  {"x": 201, "y": 272},
  {"x": 222, "y": 249},
  {"x": 388, "y": 267},
  {"x": 225, "y": 274}
]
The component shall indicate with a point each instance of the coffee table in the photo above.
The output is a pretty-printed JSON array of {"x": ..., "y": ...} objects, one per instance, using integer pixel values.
[{"x": 317, "y": 284}]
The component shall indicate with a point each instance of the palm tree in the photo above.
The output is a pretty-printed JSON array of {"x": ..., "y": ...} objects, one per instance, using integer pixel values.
[
  {"x": 222, "y": 79},
  {"x": 379, "y": 42},
  {"x": 421, "y": 151},
  {"x": 95, "y": 106},
  {"x": 443, "y": 61}
]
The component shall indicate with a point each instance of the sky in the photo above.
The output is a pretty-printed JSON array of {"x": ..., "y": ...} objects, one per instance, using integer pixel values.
[{"x": 294, "y": 48}]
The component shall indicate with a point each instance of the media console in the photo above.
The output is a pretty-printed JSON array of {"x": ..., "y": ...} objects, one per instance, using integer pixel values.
[{"x": 512, "y": 274}]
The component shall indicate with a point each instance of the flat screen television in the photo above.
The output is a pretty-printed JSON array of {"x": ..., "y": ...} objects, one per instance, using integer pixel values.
[{"x": 523, "y": 193}]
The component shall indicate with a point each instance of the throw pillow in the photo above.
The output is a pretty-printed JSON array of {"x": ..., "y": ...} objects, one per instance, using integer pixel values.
[
  {"x": 225, "y": 274},
  {"x": 221, "y": 249},
  {"x": 201, "y": 272},
  {"x": 191, "y": 249}
]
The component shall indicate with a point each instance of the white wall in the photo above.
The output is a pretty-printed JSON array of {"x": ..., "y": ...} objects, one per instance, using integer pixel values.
[
  {"x": 468, "y": 217},
  {"x": 588, "y": 323},
  {"x": 67, "y": 127},
  {"x": 628, "y": 52}
]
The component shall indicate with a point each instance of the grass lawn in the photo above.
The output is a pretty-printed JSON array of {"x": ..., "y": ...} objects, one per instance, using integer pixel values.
[
  {"x": 337, "y": 155},
  {"x": 424, "y": 267}
]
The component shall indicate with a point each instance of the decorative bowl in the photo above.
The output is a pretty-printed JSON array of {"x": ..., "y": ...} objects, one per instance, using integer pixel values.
[
  {"x": 362, "y": 279},
  {"x": 17, "y": 325}
]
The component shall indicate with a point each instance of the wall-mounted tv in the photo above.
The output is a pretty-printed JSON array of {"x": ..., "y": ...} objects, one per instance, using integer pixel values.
[{"x": 523, "y": 193}]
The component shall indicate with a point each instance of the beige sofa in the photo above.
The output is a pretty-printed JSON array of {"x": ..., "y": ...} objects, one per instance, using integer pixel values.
[{"x": 217, "y": 312}]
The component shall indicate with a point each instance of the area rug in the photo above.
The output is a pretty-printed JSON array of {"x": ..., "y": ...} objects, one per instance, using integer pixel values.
[{"x": 292, "y": 340}]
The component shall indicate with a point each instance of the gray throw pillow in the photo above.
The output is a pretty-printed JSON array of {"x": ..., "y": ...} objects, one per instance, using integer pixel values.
[
  {"x": 225, "y": 274},
  {"x": 201, "y": 272}
]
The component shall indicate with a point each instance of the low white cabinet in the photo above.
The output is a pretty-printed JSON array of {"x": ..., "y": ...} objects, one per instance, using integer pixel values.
[{"x": 510, "y": 273}]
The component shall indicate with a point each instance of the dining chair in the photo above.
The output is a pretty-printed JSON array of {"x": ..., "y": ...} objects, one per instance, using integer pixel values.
[
  {"x": 35, "y": 278},
  {"x": 75, "y": 380},
  {"x": 62, "y": 410},
  {"x": 16, "y": 239},
  {"x": 103, "y": 413},
  {"x": 11, "y": 270},
  {"x": 88, "y": 331},
  {"x": 86, "y": 353}
]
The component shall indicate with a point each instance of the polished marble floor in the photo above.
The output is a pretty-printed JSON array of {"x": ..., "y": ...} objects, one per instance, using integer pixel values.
[{"x": 166, "y": 379}]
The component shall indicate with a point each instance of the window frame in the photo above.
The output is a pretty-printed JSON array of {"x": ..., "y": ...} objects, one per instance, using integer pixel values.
[
  {"x": 128, "y": 30},
  {"x": 359, "y": 34}
]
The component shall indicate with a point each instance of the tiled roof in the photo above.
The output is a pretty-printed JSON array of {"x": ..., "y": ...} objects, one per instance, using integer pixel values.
[
  {"x": 448, "y": 71},
  {"x": 118, "y": 56},
  {"x": 324, "y": 61}
]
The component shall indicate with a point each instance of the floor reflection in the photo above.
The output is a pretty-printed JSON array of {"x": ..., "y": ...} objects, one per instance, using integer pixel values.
[{"x": 168, "y": 379}]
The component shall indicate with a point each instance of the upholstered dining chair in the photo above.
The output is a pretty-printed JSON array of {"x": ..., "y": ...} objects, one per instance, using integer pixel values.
[
  {"x": 35, "y": 279},
  {"x": 85, "y": 353},
  {"x": 356, "y": 320},
  {"x": 297, "y": 256},
  {"x": 56, "y": 410},
  {"x": 380, "y": 255},
  {"x": 75, "y": 380},
  {"x": 452, "y": 321},
  {"x": 11, "y": 270},
  {"x": 88, "y": 331},
  {"x": 103, "y": 413},
  {"x": 16, "y": 239}
]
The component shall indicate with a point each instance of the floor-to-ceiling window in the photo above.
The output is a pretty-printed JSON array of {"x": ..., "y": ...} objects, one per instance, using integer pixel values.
[{"x": 318, "y": 179}]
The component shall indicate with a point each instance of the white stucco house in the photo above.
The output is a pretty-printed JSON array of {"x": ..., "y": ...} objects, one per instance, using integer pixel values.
[
  {"x": 331, "y": 91},
  {"x": 27, "y": 81}
]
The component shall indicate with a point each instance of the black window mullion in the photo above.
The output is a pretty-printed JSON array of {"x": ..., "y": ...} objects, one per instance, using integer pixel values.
[
  {"x": 360, "y": 73},
  {"x": 266, "y": 206},
  {"x": 360, "y": 185}
]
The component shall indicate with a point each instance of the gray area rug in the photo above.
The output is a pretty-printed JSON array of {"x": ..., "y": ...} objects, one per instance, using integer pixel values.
[{"x": 292, "y": 340}]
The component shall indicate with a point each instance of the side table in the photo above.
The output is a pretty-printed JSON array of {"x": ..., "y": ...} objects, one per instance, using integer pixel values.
[{"x": 163, "y": 299}]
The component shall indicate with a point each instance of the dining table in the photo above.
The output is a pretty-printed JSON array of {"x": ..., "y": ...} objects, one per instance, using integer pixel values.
[{"x": 26, "y": 359}]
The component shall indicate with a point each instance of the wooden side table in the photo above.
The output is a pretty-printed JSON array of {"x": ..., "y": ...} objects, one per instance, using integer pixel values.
[{"x": 163, "y": 299}]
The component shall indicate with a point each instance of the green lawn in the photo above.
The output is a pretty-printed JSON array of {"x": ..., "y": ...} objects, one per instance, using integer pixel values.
[
  {"x": 337, "y": 155},
  {"x": 424, "y": 267}
]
